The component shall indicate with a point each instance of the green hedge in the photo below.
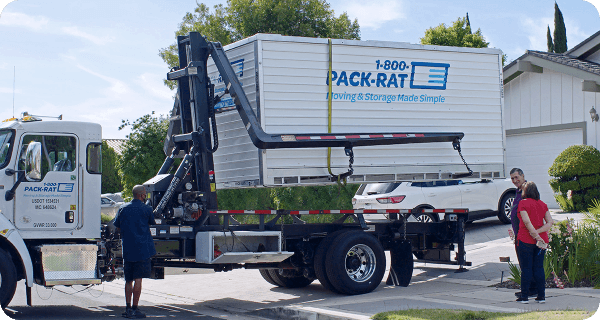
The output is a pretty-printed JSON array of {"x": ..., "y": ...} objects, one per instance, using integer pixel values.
[{"x": 577, "y": 168}]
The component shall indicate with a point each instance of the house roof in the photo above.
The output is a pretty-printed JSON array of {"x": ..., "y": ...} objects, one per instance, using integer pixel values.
[
  {"x": 116, "y": 144},
  {"x": 572, "y": 62},
  {"x": 566, "y": 60},
  {"x": 586, "y": 47}
]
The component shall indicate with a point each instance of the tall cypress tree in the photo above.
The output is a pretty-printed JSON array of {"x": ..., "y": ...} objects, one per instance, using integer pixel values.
[
  {"x": 549, "y": 39},
  {"x": 560, "y": 31},
  {"x": 468, "y": 28}
]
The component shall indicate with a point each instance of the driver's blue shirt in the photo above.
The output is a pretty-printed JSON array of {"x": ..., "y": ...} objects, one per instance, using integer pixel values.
[{"x": 134, "y": 220}]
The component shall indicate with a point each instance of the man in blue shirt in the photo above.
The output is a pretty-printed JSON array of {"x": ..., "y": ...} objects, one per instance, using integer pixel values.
[{"x": 134, "y": 220}]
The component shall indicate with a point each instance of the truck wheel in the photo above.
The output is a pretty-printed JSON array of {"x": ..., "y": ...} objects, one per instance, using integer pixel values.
[
  {"x": 320, "y": 255},
  {"x": 8, "y": 279},
  {"x": 265, "y": 274},
  {"x": 291, "y": 280},
  {"x": 505, "y": 207},
  {"x": 355, "y": 263}
]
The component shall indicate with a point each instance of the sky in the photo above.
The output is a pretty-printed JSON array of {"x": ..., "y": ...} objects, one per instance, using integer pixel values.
[{"x": 98, "y": 61}]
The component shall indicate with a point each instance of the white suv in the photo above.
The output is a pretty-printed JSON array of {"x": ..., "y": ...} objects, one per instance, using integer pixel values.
[{"x": 483, "y": 198}]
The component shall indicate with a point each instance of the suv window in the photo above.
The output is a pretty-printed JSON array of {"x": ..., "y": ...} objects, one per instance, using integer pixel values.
[
  {"x": 437, "y": 183},
  {"x": 58, "y": 152},
  {"x": 6, "y": 139},
  {"x": 377, "y": 188}
]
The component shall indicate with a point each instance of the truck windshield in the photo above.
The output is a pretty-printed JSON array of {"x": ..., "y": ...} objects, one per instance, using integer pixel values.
[{"x": 6, "y": 138}]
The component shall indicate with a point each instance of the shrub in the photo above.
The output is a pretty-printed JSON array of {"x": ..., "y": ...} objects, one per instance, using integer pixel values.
[{"x": 577, "y": 168}]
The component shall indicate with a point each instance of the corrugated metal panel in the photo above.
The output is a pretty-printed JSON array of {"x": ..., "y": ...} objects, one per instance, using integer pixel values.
[
  {"x": 293, "y": 95},
  {"x": 236, "y": 160}
]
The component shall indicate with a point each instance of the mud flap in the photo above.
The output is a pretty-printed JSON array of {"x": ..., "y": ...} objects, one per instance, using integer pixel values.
[{"x": 401, "y": 265}]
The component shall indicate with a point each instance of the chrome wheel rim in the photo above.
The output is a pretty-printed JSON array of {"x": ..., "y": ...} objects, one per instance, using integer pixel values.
[
  {"x": 425, "y": 218},
  {"x": 360, "y": 263},
  {"x": 508, "y": 206}
]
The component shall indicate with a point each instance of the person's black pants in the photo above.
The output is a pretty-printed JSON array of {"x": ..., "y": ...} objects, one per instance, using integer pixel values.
[{"x": 531, "y": 260}]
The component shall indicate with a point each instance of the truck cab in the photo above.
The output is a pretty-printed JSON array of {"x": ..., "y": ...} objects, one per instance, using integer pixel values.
[
  {"x": 49, "y": 223},
  {"x": 56, "y": 159}
]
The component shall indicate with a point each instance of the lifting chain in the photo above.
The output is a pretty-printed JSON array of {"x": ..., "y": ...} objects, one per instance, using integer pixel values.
[
  {"x": 456, "y": 146},
  {"x": 341, "y": 178}
]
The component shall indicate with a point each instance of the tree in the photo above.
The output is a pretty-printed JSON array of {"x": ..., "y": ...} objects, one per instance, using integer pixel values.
[
  {"x": 111, "y": 180},
  {"x": 549, "y": 40},
  {"x": 468, "y": 24},
  {"x": 560, "y": 31},
  {"x": 457, "y": 35},
  {"x": 143, "y": 152},
  {"x": 244, "y": 18}
]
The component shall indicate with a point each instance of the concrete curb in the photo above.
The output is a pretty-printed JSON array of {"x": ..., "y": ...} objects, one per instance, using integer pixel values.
[{"x": 307, "y": 313}]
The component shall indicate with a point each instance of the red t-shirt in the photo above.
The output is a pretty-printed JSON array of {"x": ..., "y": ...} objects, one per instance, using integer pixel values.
[{"x": 536, "y": 210}]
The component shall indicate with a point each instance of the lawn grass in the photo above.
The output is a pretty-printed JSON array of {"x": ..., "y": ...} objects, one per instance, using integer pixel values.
[{"x": 445, "y": 314}]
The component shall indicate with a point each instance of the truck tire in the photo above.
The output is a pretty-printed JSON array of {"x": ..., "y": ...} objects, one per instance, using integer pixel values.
[
  {"x": 289, "y": 281},
  {"x": 265, "y": 274},
  {"x": 319, "y": 261},
  {"x": 505, "y": 207},
  {"x": 8, "y": 278},
  {"x": 355, "y": 263}
]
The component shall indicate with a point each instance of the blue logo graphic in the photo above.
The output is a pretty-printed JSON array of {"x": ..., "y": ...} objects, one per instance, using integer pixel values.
[
  {"x": 429, "y": 75},
  {"x": 65, "y": 187},
  {"x": 238, "y": 68}
]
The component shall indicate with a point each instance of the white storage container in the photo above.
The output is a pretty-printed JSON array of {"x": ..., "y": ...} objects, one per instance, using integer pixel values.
[{"x": 377, "y": 87}]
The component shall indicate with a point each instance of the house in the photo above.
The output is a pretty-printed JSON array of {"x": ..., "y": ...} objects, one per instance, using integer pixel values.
[
  {"x": 551, "y": 102},
  {"x": 116, "y": 144}
]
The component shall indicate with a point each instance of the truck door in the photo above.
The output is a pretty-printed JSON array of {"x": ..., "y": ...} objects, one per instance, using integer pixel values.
[{"x": 50, "y": 200}]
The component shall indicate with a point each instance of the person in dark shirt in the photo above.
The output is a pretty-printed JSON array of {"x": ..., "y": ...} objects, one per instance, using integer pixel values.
[
  {"x": 134, "y": 220},
  {"x": 518, "y": 179}
]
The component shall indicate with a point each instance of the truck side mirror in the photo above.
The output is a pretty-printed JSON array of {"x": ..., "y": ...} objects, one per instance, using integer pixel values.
[{"x": 33, "y": 161}]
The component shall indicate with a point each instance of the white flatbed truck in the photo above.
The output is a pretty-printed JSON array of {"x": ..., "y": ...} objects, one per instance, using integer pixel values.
[{"x": 50, "y": 172}]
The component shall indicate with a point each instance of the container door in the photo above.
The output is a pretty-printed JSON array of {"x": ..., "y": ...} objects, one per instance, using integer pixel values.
[{"x": 49, "y": 199}]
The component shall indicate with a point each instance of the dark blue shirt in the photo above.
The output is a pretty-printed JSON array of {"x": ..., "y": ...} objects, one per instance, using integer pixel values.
[
  {"x": 134, "y": 220},
  {"x": 514, "y": 218}
]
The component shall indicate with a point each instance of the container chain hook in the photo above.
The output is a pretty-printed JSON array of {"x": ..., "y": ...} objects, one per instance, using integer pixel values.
[
  {"x": 456, "y": 146},
  {"x": 341, "y": 178}
]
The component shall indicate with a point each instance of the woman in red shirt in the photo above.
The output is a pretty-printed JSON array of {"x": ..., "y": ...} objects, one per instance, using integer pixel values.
[{"x": 532, "y": 240}]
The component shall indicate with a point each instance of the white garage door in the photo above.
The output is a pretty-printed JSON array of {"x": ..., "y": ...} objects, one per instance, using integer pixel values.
[{"x": 535, "y": 153}]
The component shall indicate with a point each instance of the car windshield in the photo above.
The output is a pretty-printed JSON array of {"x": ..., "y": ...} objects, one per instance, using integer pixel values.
[
  {"x": 5, "y": 147},
  {"x": 377, "y": 188}
]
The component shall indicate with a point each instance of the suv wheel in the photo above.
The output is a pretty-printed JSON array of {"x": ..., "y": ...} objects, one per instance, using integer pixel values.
[{"x": 505, "y": 207}]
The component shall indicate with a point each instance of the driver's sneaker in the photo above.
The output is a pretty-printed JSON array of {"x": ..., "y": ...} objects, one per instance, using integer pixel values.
[
  {"x": 136, "y": 314},
  {"x": 127, "y": 312}
]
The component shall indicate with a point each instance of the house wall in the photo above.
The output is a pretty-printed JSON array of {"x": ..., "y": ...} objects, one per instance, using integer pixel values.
[
  {"x": 549, "y": 99},
  {"x": 545, "y": 113}
]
